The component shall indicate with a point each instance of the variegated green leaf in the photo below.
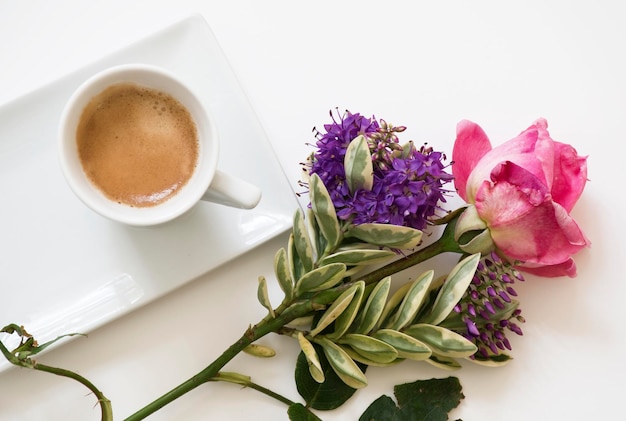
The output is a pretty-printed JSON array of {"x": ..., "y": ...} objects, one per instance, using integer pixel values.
[
  {"x": 412, "y": 301},
  {"x": 263, "y": 295},
  {"x": 321, "y": 278},
  {"x": 392, "y": 304},
  {"x": 315, "y": 367},
  {"x": 343, "y": 365},
  {"x": 335, "y": 310},
  {"x": 301, "y": 241},
  {"x": 453, "y": 289},
  {"x": 346, "y": 318},
  {"x": 441, "y": 340},
  {"x": 407, "y": 346},
  {"x": 259, "y": 350},
  {"x": 364, "y": 360},
  {"x": 358, "y": 165},
  {"x": 283, "y": 273},
  {"x": 392, "y": 236},
  {"x": 445, "y": 363},
  {"x": 493, "y": 360},
  {"x": 295, "y": 264},
  {"x": 371, "y": 348},
  {"x": 374, "y": 306},
  {"x": 325, "y": 213},
  {"x": 317, "y": 240},
  {"x": 359, "y": 257}
]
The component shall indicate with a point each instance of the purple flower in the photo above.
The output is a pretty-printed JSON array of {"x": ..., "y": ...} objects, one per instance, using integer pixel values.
[
  {"x": 486, "y": 309},
  {"x": 408, "y": 182}
]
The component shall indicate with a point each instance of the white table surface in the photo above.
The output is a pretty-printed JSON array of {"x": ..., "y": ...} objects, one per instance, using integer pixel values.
[{"x": 425, "y": 66}]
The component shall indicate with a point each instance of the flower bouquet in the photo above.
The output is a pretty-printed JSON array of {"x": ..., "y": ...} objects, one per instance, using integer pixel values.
[{"x": 377, "y": 208}]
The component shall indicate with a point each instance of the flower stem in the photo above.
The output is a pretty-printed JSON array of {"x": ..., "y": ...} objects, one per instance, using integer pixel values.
[
  {"x": 445, "y": 243},
  {"x": 246, "y": 382},
  {"x": 105, "y": 404},
  {"x": 211, "y": 371}
]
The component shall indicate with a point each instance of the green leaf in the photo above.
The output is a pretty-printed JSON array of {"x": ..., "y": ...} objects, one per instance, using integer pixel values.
[
  {"x": 407, "y": 346},
  {"x": 393, "y": 302},
  {"x": 423, "y": 400},
  {"x": 412, "y": 301},
  {"x": 359, "y": 257},
  {"x": 371, "y": 348},
  {"x": 321, "y": 278},
  {"x": 298, "y": 412},
  {"x": 344, "y": 366},
  {"x": 301, "y": 241},
  {"x": 325, "y": 213},
  {"x": 358, "y": 165},
  {"x": 441, "y": 340},
  {"x": 374, "y": 306},
  {"x": 315, "y": 367},
  {"x": 392, "y": 236},
  {"x": 444, "y": 363},
  {"x": 283, "y": 273},
  {"x": 343, "y": 322},
  {"x": 263, "y": 295},
  {"x": 330, "y": 394},
  {"x": 335, "y": 310},
  {"x": 453, "y": 289},
  {"x": 295, "y": 264},
  {"x": 317, "y": 239}
]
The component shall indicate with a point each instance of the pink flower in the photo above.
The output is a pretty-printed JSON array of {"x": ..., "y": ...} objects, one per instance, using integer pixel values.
[{"x": 523, "y": 191}]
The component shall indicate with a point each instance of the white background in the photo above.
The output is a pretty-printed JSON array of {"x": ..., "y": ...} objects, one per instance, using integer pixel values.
[{"x": 425, "y": 65}]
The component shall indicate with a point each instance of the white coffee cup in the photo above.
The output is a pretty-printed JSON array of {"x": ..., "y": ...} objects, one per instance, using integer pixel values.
[{"x": 206, "y": 183}]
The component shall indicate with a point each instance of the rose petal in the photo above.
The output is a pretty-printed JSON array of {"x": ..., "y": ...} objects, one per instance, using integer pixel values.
[
  {"x": 470, "y": 146},
  {"x": 567, "y": 268},
  {"x": 524, "y": 222},
  {"x": 570, "y": 175}
]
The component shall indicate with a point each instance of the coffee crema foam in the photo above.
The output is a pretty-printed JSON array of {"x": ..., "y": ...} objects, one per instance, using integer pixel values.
[{"x": 137, "y": 145}]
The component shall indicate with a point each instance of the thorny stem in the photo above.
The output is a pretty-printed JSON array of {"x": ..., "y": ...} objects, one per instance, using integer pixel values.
[{"x": 105, "y": 404}]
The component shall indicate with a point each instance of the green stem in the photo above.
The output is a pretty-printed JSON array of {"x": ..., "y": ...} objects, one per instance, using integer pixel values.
[
  {"x": 445, "y": 243},
  {"x": 246, "y": 382},
  {"x": 291, "y": 312},
  {"x": 252, "y": 334},
  {"x": 105, "y": 404}
]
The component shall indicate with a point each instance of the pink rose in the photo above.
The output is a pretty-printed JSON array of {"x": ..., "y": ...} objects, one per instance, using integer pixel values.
[{"x": 523, "y": 191}]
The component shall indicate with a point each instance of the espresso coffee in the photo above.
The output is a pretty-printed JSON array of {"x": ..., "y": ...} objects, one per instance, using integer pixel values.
[{"x": 137, "y": 145}]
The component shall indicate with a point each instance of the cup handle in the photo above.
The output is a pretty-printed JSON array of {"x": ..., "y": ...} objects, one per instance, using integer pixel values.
[{"x": 231, "y": 191}]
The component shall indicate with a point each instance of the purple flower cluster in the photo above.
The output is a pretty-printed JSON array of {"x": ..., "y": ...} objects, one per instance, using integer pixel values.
[
  {"x": 487, "y": 308},
  {"x": 408, "y": 182}
]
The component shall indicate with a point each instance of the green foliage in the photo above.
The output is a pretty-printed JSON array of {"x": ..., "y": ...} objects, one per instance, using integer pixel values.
[
  {"x": 330, "y": 394},
  {"x": 423, "y": 400},
  {"x": 358, "y": 165},
  {"x": 298, "y": 412}
]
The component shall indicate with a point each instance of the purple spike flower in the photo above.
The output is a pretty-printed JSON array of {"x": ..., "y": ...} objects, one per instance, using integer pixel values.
[
  {"x": 408, "y": 182},
  {"x": 487, "y": 310}
]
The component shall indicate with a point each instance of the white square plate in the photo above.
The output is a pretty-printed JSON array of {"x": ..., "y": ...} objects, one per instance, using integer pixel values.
[{"x": 66, "y": 269}]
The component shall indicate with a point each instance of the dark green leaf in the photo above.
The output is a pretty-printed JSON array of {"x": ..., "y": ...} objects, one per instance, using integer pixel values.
[
  {"x": 442, "y": 393},
  {"x": 330, "y": 394},
  {"x": 423, "y": 400},
  {"x": 382, "y": 409},
  {"x": 298, "y": 412}
]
